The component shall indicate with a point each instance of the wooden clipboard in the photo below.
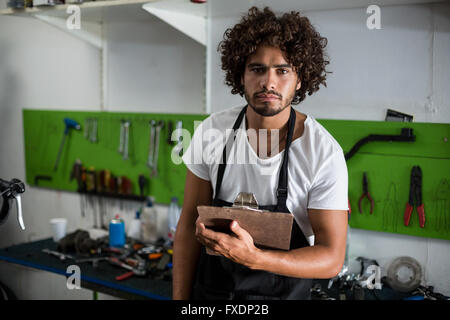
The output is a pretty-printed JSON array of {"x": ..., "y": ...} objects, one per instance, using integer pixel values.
[{"x": 268, "y": 229}]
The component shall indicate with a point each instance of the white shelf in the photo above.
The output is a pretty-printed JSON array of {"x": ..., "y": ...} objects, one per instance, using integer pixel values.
[
  {"x": 59, "y": 10},
  {"x": 185, "y": 16}
]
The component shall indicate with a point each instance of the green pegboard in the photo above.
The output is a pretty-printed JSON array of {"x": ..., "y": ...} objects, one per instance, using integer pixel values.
[
  {"x": 387, "y": 164},
  {"x": 43, "y": 132}
]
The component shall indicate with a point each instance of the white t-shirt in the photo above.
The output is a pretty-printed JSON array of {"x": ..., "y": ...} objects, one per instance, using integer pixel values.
[{"x": 317, "y": 172}]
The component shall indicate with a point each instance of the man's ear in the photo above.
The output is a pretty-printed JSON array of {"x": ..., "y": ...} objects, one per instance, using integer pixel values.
[{"x": 299, "y": 84}]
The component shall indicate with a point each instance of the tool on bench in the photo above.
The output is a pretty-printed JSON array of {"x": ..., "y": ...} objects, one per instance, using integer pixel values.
[
  {"x": 94, "y": 261},
  {"x": 11, "y": 190},
  {"x": 365, "y": 194},
  {"x": 70, "y": 124},
  {"x": 61, "y": 256},
  {"x": 139, "y": 270},
  {"x": 415, "y": 197}
]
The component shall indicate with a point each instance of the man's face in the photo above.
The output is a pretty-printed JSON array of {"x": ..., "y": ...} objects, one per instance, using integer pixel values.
[{"x": 269, "y": 81}]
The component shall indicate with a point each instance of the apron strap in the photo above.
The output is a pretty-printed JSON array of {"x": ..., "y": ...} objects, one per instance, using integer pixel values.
[
  {"x": 228, "y": 145},
  {"x": 282, "y": 191}
]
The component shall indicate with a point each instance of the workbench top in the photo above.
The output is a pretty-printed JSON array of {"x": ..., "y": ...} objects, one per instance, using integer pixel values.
[{"x": 100, "y": 279}]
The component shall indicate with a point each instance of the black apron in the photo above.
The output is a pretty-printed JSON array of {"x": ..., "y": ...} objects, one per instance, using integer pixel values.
[{"x": 220, "y": 278}]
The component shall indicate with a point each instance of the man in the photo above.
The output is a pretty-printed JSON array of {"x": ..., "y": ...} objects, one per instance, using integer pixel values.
[{"x": 273, "y": 62}]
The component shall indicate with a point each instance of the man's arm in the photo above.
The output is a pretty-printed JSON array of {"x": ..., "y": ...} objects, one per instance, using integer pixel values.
[
  {"x": 323, "y": 260},
  {"x": 186, "y": 247}
]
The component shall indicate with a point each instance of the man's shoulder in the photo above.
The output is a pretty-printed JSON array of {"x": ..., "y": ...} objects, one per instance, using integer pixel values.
[
  {"x": 223, "y": 119},
  {"x": 318, "y": 135}
]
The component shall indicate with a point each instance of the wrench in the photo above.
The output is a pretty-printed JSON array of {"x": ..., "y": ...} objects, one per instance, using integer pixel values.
[
  {"x": 179, "y": 133},
  {"x": 151, "y": 149},
  {"x": 156, "y": 148},
  {"x": 93, "y": 133},
  {"x": 60, "y": 255},
  {"x": 121, "y": 138},
  {"x": 126, "y": 138}
]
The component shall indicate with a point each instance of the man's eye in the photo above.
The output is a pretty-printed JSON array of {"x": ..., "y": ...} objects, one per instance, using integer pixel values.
[
  {"x": 257, "y": 70},
  {"x": 283, "y": 71}
]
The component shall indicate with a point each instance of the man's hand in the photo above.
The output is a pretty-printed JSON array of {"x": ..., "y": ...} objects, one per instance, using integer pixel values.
[{"x": 238, "y": 246}]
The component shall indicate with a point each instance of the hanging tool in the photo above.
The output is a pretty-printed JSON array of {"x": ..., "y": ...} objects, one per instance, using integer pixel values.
[
  {"x": 70, "y": 124},
  {"x": 142, "y": 183},
  {"x": 155, "y": 131},
  {"x": 365, "y": 194},
  {"x": 178, "y": 149},
  {"x": 121, "y": 136},
  {"x": 124, "y": 138},
  {"x": 152, "y": 125},
  {"x": 156, "y": 149},
  {"x": 169, "y": 132},
  {"x": 415, "y": 197},
  {"x": 126, "y": 129},
  {"x": 90, "y": 129},
  {"x": 406, "y": 135}
]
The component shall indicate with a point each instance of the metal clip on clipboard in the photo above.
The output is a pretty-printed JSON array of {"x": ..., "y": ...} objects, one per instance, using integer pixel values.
[{"x": 245, "y": 200}]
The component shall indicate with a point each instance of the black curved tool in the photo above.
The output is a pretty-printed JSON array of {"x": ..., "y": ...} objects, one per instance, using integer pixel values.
[{"x": 406, "y": 135}]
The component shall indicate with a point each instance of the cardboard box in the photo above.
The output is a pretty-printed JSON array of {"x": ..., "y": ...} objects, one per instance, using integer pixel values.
[{"x": 269, "y": 229}]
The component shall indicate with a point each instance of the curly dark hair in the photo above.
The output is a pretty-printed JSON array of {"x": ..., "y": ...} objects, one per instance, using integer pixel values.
[{"x": 291, "y": 33}]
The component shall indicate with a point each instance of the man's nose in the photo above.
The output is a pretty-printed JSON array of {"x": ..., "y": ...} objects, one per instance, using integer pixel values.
[{"x": 268, "y": 80}]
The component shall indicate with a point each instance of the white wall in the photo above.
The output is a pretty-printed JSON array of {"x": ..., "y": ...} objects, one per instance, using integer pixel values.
[
  {"x": 404, "y": 66},
  {"x": 151, "y": 67}
]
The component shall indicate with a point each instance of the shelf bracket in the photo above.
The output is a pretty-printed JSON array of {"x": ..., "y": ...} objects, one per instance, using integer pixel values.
[{"x": 90, "y": 32}]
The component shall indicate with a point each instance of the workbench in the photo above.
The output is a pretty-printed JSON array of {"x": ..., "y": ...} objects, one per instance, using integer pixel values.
[
  {"x": 102, "y": 278},
  {"x": 99, "y": 279}
]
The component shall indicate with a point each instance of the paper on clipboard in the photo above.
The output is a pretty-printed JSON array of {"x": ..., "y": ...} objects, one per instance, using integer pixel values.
[{"x": 268, "y": 229}]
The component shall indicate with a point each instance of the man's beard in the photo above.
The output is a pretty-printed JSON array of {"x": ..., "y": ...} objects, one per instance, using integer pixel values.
[{"x": 266, "y": 110}]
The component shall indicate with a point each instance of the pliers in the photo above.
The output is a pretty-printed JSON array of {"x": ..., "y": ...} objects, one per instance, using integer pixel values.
[
  {"x": 415, "y": 197},
  {"x": 365, "y": 194}
]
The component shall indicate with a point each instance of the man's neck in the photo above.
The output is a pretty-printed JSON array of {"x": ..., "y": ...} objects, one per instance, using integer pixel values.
[
  {"x": 278, "y": 122},
  {"x": 256, "y": 121}
]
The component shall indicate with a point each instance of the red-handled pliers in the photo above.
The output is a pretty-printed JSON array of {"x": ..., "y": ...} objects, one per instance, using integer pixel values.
[
  {"x": 415, "y": 197},
  {"x": 365, "y": 194}
]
